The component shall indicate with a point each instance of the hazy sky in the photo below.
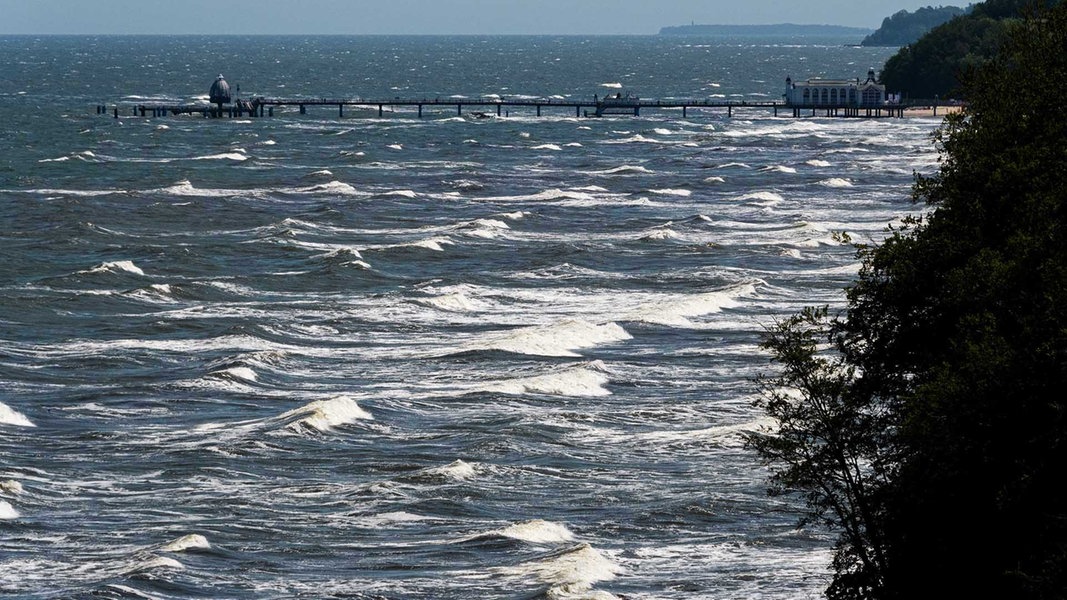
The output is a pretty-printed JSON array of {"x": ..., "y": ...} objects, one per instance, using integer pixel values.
[{"x": 425, "y": 16}]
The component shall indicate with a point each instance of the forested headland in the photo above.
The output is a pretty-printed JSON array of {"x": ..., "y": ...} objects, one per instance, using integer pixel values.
[
  {"x": 930, "y": 66},
  {"x": 903, "y": 27},
  {"x": 927, "y": 423}
]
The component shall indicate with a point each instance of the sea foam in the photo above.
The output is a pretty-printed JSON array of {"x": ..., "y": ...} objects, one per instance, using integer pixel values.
[
  {"x": 324, "y": 415},
  {"x": 559, "y": 339},
  {"x": 10, "y": 416},
  {"x": 193, "y": 541}
]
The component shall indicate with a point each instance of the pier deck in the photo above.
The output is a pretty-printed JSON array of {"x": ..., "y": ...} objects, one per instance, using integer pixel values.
[{"x": 591, "y": 107}]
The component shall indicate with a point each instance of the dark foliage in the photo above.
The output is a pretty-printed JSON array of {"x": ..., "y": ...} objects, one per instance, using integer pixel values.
[
  {"x": 932, "y": 65},
  {"x": 941, "y": 395},
  {"x": 906, "y": 27}
]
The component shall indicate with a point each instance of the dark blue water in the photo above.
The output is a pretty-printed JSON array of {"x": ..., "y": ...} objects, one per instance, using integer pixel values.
[{"x": 311, "y": 357}]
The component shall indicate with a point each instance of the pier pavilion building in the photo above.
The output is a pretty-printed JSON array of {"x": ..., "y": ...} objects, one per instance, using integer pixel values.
[{"x": 835, "y": 92}]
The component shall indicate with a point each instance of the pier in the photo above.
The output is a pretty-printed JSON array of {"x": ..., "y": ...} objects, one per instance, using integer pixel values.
[{"x": 484, "y": 107}]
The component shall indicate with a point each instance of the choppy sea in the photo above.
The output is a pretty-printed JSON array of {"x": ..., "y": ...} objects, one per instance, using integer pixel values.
[{"x": 451, "y": 357}]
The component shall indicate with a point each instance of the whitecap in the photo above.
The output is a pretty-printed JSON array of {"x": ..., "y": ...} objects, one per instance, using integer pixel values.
[
  {"x": 836, "y": 182},
  {"x": 613, "y": 85},
  {"x": 234, "y": 156},
  {"x": 817, "y": 163},
  {"x": 714, "y": 179},
  {"x": 11, "y": 487},
  {"x": 459, "y": 470},
  {"x": 111, "y": 267},
  {"x": 625, "y": 170},
  {"x": 193, "y": 541},
  {"x": 10, "y": 416},
  {"x": 395, "y": 147},
  {"x": 676, "y": 310},
  {"x": 559, "y": 339},
  {"x": 570, "y": 572},
  {"x": 537, "y": 531},
  {"x": 576, "y": 381},
  {"x": 555, "y": 147},
  {"x": 7, "y": 512},
  {"x": 672, "y": 192},
  {"x": 762, "y": 198},
  {"x": 457, "y": 302},
  {"x": 156, "y": 562},
  {"x": 779, "y": 169},
  {"x": 402, "y": 193},
  {"x": 240, "y": 373},
  {"x": 662, "y": 233},
  {"x": 324, "y": 415}
]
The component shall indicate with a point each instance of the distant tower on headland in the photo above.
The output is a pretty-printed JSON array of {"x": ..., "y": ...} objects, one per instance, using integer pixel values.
[{"x": 220, "y": 93}]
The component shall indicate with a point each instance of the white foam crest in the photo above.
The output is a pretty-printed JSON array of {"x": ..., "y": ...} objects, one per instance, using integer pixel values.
[
  {"x": 836, "y": 182},
  {"x": 676, "y": 310},
  {"x": 402, "y": 193},
  {"x": 579, "y": 381},
  {"x": 458, "y": 470},
  {"x": 63, "y": 192},
  {"x": 660, "y": 233},
  {"x": 569, "y": 572},
  {"x": 559, "y": 339},
  {"x": 456, "y": 302},
  {"x": 7, "y": 512},
  {"x": 321, "y": 173},
  {"x": 10, "y": 416},
  {"x": 762, "y": 198},
  {"x": 624, "y": 170},
  {"x": 238, "y": 373},
  {"x": 554, "y": 147},
  {"x": 343, "y": 252},
  {"x": 324, "y": 415},
  {"x": 672, "y": 192},
  {"x": 11, "y": 486},
  {"x": 634, "y": 139},
  {"x": 779, "y": 169},
  {"x": 436, "y": 244},
  {"x": 193, "y": 541},
  {"x": 714, "y": 179},
  {"x": 549, "y": 195},
  {"x": 152, "y": 563},
  {"x": 537, "y": 531},
  {"x": 514, "y": 216},
  {"x": 112, "y": 267},
  {"x": 615, "y": 85},
  {"x": 332, "y": 187},
  {"x": 234, "y": 156},
  {"x": 817, "y": 163},
  {"x": 186, "y": 188},
  {"x": 395, "y": 147}
]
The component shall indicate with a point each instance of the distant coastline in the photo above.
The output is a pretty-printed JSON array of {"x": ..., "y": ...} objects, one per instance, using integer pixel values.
[{"x": 790, "y": 29}]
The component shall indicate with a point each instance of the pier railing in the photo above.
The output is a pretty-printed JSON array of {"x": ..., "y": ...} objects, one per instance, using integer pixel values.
[{"x": 591, "y": 107}]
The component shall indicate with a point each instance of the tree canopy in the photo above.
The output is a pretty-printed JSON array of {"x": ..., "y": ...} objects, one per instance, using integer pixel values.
[
  {"x": 931, "y": 66},
  {"x": 905, "y": 27},
  {"x": 928, "y": 422}
]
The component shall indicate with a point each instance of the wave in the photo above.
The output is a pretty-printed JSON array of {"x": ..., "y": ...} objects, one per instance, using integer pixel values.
[
  {"x": 762, "y": 198},
  {"x": 625, "y": 170},
  {"x": 10, "y": 416},
  {"x": 457, "y": 470},
  {"x": 672, "y": 192},
  {"x": 11, "y": 487},
  {"x": 193, "y": 541},
  {"x": 659, "y": 234},
  {"x": 240, "y": 374},
  {"x": 569, "y": 573},
  {"x": 817, "y": 163},
  {"x": 553, "y": 147},
  {"x": 612, "y": 85},
  {"x": 559, "y": 339},
  {"x": 779, "y": 169},
  {"x": 836, "y": 182},
  {"x": 586, "y": 380},
  {"x": 234, "y": 156},
  {"x": 324, "y": 415},
  {"x": 125, "y": 266},
  {"x": 676, "y": 310},
  {"x": 537, "y": 531},
  {"x": 8, "y": 512},
  {"x": 457, "y": 302}
]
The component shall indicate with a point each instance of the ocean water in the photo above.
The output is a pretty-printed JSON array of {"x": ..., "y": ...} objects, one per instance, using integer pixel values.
[{"x": 312, "y": 357}]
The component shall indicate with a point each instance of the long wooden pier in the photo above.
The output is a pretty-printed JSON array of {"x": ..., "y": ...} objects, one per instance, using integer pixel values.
[{"x": 484, "y": 107}]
